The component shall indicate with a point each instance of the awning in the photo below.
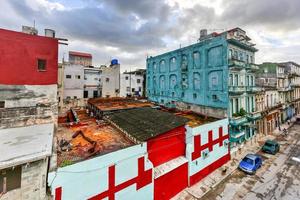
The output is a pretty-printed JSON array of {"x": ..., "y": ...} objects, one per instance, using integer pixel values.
[{"x": 25, "y": 144}]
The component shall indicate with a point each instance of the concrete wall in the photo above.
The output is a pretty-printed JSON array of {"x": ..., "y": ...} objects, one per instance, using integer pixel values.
[
  {"x": 27, "y": 105},
  {"x": 73, "y": 87},
  {"x": 110, "y": 88},
  {"x": 92, "y": 81},
  {"x": 198, "y": 142},
  {"x": 91, "y": 177},
  {"x": 131, "y": 83},
  {"x": 196, "y": 74},
  {"x": 33, "y": 182}
]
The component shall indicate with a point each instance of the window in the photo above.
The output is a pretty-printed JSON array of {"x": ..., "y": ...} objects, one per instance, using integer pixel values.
[
  {"x": 75, "y": 97},
  {"x": 96, "y": 79},
  {"x": 2, "y": 104},
  {"x": 195, "y": 95},
  {"x": 196, "y": 59},
  {"x": 214, "y": 97},
  {"x": 77, "y": 76},
  {"x": 236, "y": 80},
  {"x": 107, "y": 80},
  {"x": 95, "y": 93},
  {"x": 68, "y": 97},
  {"x": 133, "y": 90},
  {"x": 182, "y": 94},
  {"x": 138, "y": 80},
  {"x": 68, "y": 76},
  {"x": 126, "y": 77},
  {"x": 42, "y": 64},
  {"x": 85, "y": 94},
  {"x": 236, "y": 105},
  {"x": 128, "y": 89},
  {"x": 140, "y": 89},
  {"x": 230, "y": 79},
  {"x": 173, "y": 64},
  {"x": 10, "y": 179}
]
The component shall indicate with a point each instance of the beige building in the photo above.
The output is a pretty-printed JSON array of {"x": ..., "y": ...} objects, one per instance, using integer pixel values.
[{"x": 80, "y": 58}]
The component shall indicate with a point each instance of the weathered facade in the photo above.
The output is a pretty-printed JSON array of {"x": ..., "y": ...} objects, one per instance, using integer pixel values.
[
  {"x": 214, "y": 77},
  {"x": 80, "y": 58},
  {"x": 133, "y": 83},
  {"x": 28, "y": 113}
]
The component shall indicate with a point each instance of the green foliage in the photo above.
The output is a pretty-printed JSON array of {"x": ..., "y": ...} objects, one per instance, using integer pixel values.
[
  {"x": 241, "y": 113},
  {"x": 66, "y": 163}
]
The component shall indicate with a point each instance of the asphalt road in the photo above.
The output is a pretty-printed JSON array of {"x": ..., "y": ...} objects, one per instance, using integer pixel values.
[{"x": 277, "y": 179}]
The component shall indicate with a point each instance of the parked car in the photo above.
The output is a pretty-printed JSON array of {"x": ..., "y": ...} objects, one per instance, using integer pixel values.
[
  {"x": 297, "y": 119},
  {"x": 250, "y": 163},
  {"x": 271, "y": 146}
]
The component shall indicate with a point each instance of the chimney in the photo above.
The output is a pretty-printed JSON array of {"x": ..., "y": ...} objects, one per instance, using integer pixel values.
[
  {"x": 203, "y": 33},
  {"x": 49, "y": 33}
]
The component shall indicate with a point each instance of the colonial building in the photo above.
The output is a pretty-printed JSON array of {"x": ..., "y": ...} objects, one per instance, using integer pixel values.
[
  {"x": 28, "y": 113},
  {"x": 133, "y": 83},
  {"x": 214, "y": 77}
]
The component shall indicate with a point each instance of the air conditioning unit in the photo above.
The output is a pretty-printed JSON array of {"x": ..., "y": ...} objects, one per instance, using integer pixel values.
[
  {"x": 205, "y": 153},
  {"x": 226, "y": 143}
]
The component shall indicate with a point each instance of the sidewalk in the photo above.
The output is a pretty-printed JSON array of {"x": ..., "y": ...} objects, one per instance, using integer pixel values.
[{"x": 205, "y": 185}]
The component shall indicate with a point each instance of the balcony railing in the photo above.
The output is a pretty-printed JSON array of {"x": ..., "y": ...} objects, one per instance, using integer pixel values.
[
  {"x": 236, "y": 89},
  {"x": 236, "y": 136},
  {"x": 252, "y": 67},
  {"x": 280, "y": 75},
  {"x": 237, "y": 121},
  {"x": 254, "y": 115},
  {"x": 236, "y": 64},
  {"x": 254, "y": 89}
]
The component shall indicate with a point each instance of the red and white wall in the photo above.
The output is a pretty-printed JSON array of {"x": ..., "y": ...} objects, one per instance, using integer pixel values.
[{"x": 158, "y": 169}]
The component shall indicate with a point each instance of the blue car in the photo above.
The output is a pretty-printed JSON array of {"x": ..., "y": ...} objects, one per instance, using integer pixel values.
[{"x": 250, "y": 163}]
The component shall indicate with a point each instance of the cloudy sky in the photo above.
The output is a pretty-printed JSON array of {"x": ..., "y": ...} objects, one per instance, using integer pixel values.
[{"x": 132, "y": 29}]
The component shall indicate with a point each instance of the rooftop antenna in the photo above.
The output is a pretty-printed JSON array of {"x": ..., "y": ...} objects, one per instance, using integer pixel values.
[{"x": 34, "y": 23}]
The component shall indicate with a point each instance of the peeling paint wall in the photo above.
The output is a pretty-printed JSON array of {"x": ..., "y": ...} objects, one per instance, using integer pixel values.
[{"x": 28, "y": 105}]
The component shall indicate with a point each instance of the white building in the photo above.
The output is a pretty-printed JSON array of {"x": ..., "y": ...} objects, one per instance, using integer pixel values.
[
  {"x": 92, "y": 82},
  {"x": 132, "y": 83},
  {"x": 110, "y": 80},
  {"x": 73, "y": 81}
]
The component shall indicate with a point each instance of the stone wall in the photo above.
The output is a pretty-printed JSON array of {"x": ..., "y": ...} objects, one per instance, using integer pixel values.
[{"x": 33, "y": 182}]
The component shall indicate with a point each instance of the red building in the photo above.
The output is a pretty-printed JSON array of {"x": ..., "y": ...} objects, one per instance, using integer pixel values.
[{"x": 27, "y": 59}]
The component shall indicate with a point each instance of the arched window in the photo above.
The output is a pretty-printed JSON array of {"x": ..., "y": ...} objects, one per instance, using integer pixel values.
[
  {"x": 230, "y": 53},
  {"x": 196, "y": 59},
  {"x": 162, "y": 66},
  {"x": 184, "y": 62},
  {"x": 162, "y": 82},
  {"x": 172, "y": 81},
  {"x": 196, "y": 81},
  {"x": 173, "y": 64},
  {"x": 154, "y": 66}
]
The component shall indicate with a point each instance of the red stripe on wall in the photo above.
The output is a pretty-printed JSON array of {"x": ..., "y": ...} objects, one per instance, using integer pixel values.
[
  {"x": 166, "y": 146},
  {"x": 198, "y": 147},
  {"x": 58, "y": 192},
  {"x": 209, "y": 169},
  {"x": 168, "y": 185}
]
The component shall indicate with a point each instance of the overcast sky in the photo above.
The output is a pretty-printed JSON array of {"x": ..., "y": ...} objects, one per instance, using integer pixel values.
[{"x": 129, "y": 30}]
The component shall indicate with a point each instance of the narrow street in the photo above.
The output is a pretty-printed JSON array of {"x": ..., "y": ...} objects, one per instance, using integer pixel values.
[{"x": 279, "y": 177}]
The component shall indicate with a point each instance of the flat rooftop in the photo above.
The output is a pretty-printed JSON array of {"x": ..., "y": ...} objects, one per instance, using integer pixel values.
[
  {"x": 87, "y": 139},
  {"x": 118, "y": 103}
]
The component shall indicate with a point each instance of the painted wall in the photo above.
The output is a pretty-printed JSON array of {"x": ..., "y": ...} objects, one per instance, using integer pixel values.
[
  {"x": 211, "y": 138},
  {"x": 92, "y": 78},
  {"x": 110, "y": 81},
  {"x": 196, "y": 74},
  {"x": 73, "y": 87},
  {"x": 19, "y": 57},
  {"x": 124, "y": 174},
  {"x": 166, "y": 146},
  {"x": 133, "y": 84}
]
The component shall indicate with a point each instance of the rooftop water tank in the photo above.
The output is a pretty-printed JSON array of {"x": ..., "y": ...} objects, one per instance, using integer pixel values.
[
  {"x": 114, "y": 62},
  {"x": 50, "y": 33}
]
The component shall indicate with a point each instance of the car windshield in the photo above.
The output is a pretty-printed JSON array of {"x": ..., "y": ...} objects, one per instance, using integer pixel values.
[
  {"x": 269, "y": 144},
  {"x": 248, "y": 160}
]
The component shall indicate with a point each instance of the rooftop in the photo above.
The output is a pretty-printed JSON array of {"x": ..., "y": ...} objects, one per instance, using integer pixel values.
[
  {"x": 81, "y": 54},
  {"x": 117, "y": 103},
  {"x": 145, "y": 123},
  {"x": 87, "y": 139},
  {"x": 25, "y": 144}
]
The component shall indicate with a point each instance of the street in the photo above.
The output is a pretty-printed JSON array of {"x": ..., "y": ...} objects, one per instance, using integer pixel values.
[{"x": 278, "y": 178}]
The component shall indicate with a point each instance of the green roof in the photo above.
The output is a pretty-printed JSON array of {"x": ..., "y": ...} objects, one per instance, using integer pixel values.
[{"x": 146, "y": 123}]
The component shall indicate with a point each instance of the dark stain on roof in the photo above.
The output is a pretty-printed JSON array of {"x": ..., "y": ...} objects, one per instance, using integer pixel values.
[{"x": 146, "y": 123}]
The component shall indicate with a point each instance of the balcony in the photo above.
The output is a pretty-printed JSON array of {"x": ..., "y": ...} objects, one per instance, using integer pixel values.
[
  {"x": 237, "y": 121},
  {"x": 236, "y": 89},
  {"x": 254, "y": 116},
  {"x": 280, "y": 75},
  {"x": 284, "y": 89},
  {"x": 236, "y": 64},
  {"x": 251, "y": 67},
  {"x": 237, "y": 136},
  {"x": 254, "y": 89},
  {"x": 295, "y": 85}
]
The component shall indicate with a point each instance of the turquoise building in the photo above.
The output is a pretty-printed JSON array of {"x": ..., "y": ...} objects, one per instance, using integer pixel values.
[{"x": 214, "y": 77}]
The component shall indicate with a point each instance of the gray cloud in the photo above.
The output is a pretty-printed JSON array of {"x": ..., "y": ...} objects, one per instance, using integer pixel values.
[{"x": 129, "y": 29}]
